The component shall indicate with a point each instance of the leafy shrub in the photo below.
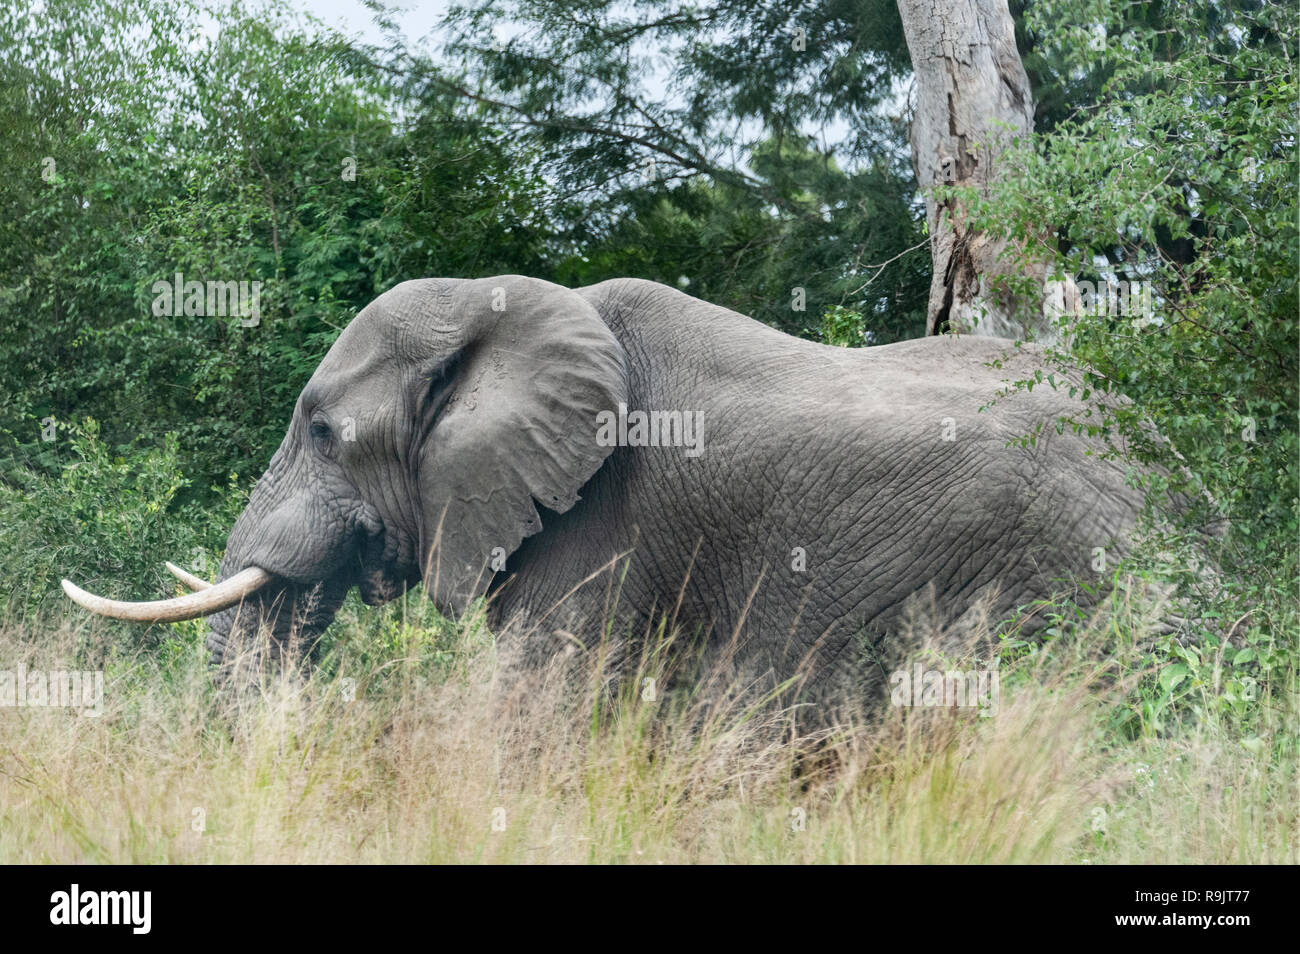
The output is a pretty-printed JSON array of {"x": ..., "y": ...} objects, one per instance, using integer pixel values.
[
  {"x": 1180, "y": 178},
  {"x": 106, "y": 520}
]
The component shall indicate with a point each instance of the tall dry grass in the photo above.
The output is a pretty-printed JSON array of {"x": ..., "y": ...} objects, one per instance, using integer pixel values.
[{"x": 448, "y": 762}]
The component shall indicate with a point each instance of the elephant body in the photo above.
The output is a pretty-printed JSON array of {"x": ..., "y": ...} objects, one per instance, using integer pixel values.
[
  {"x": 837, "y": 490},
  {"x": 830, "y": 493}
]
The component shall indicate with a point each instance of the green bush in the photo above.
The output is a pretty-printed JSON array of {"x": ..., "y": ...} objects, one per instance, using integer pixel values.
[
  {"x": 106, "y": 520},
  {"x": 1181, "y": 178}
]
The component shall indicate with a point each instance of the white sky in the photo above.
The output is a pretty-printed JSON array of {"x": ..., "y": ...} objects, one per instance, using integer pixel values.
[{"x": 351, "y": 17}]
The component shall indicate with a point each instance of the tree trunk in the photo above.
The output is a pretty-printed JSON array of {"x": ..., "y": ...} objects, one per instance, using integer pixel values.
[{"x": 972, "y": 100}]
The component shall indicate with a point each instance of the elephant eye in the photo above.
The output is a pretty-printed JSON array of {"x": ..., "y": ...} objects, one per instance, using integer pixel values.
[{"x": 320, "y": 431}]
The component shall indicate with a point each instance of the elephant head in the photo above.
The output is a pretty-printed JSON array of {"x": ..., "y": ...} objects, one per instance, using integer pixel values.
[{"x": 420, "y": 449}]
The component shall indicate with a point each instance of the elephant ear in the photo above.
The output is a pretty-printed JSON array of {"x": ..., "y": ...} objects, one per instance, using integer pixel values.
[{"x": 523, "y": 369}]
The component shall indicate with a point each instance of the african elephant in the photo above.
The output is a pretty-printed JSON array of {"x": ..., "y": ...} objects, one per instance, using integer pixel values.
[{"x": 483, "y": 437}]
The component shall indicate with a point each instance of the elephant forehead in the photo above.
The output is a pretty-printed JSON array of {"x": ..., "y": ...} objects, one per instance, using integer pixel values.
[
  {"x": 390, "y": 328},
  {"x": 412, "y": 301},
  {"x": 404, "y": 320},
  {"x": 362, "y": 372}
]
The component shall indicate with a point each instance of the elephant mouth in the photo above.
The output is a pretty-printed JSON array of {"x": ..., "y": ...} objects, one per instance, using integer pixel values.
[{"x": 380, "y": 586}]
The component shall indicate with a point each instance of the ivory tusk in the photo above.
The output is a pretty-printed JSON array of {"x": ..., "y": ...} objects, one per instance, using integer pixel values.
[
  {"x": 195, "y": 583},
  {"x": 203, "y": 603}
]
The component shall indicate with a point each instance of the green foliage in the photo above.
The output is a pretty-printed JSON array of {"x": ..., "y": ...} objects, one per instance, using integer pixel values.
[
  {"x": 1232, "y": 673},
  {"x": 716, "y": 146},
  {"x": 842, "y": 328},
  {"x": 409, "y": 630},
  {"x": 106, "y": 520},
  {"x": 1181, "y": 177}
]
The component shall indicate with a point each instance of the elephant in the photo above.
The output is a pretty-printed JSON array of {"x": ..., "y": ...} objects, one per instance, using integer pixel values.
[{"x": 626, "y": 451}]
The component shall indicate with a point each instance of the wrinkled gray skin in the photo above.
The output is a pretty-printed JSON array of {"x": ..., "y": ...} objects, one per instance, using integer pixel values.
[{"x": 473, "y": 428}]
